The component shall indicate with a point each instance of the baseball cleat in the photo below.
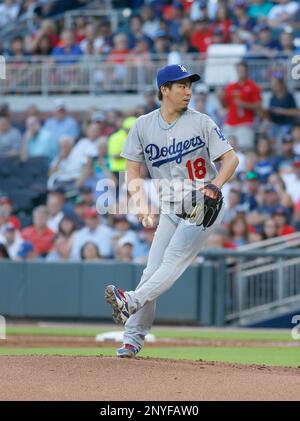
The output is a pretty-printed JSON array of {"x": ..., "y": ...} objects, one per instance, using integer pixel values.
[
  {"x": 116, "y": 298},
  {"x": 127, "y": 351}
]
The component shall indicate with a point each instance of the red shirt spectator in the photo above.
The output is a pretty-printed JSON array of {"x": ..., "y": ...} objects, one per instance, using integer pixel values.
[
  {"x": 285, "y": 230},
  {"x": 242, "y": 98},
  {"x": 6, "y": 204},
  {"x": 202, "y": 36},
  {"x": 39, "y": 234}
]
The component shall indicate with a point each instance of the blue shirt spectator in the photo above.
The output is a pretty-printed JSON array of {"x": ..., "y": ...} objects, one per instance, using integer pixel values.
[
  {"x": 67, "y": 52},
  {"x": 61, "y": 124},
  {"x": 37, "y": 141}
]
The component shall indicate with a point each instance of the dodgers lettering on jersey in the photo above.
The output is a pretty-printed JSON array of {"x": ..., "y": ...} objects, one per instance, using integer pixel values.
[
  {"x": 184, "y": 150},
  {"x": 175, "y": 152}
]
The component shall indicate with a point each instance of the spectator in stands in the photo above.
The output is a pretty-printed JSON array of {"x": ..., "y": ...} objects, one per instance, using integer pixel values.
[
  {"x": 39, "y": 234},
  {"x": 37, "y": 141},
  {"x": 55, "y": 204},
  {"x": 125, "y": 249},
  {"x": 175, "y": 19},
  {"x": 87, "y": 147},
  {"x": 286, "y": 44},
  {"x": 116, "y": 58},
  {"x": 13, "y": 240},
  {"x": 95, "y": 232},
  {"x": 80, "y": 29},
  {"x": 282, "y": 14},
  {"x": 64, "y": 171},
  {"x": 232, "y": 207},
  {"x": 269, "y": 200},
  {"x": 264, "y": 46},
  {"x": 150, "y": 21},
  {"x": 292, "y": 180},
  {"x": 67, "y": 226},
  {"x": 241, "y": 18},
  {"x": 10, "y": 138},
  {"x": 238, "y": 231},
  {"x": 121, "y": 227},
  {"x": 140, "y": 55},
  {"x": 296, "y": 215},
  {"x": 241, "y": 168},
  {"x": 295, "y": 137},
  {"x": 61, "y": 123},
  {"x": 142, "y": 247},
  {"x": 106, "y": 35},
  {"x": 92, "y": 36},
  {"x": 150, "y": 101},
  {"x": 79, "y": 208},
  {"x": 47, "y": 30},
  {"x": 280, "y": 217},
  {"x": 17, "y": 51},
  {"x": 136, "y": 32},
  {"x": 3, "y": 252},
  {"x": 97, "y": 168},
  {"x": 285, "y": 199},
  {"x": 202, "y": 35},
  {"x": 67, "y": 52},
  {"x": 266, "y": 161},
  {"x": 61, "y": 249},
  {"x": 286, "y": 155},
  {"x": 242, "y": 100},
  {"x": 26, "y": 252},
  {"x": 223, "y": 22},
  {"x": 115, "y": 145},
  {"x": 161, "y": 47},
  {"x": 87, "y": 194},
  {"x": 90, "y": 252},
  {"x": 282, "y": 109},
  {"x": 100, "y": 118},
  {"x": 259, "y": 9},
  {"x": 269, "y": 229},
  {"x": 6, "y": 206},
  {"x": 219, "y": 239},
  {"x": 250, "y": 191},
  {"x": 9, "y": 10},
  {"x": 43, "y": 46}
]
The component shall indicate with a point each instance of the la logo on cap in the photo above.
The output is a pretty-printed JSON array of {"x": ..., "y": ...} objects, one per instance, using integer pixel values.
[{"x": 183, "y": 69}]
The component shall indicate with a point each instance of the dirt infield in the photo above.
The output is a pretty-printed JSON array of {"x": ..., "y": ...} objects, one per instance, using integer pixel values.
[{"x": 109, "y": 379}]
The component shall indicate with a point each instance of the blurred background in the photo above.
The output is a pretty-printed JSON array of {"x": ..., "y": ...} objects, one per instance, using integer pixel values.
[{"x": 78, "y": 74}]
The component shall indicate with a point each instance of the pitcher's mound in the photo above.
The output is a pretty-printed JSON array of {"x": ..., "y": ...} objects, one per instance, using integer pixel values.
[{"x": 109, "y": 378}]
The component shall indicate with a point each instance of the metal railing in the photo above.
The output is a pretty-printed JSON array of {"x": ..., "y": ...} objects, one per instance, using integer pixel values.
[
  {"x": 96, "y": 75},
  {"x": 248, "y": 294}
]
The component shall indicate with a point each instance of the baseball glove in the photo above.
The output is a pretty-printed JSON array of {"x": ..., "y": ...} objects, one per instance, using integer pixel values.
[{"x": 200, "y": 209}]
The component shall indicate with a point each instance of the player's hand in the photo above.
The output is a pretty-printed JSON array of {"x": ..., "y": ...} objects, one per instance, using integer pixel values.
[{"x": 146, "y": 220}]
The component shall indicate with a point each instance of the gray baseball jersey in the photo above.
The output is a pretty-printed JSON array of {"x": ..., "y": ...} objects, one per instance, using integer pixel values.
[{"x": 183, "y": 150}]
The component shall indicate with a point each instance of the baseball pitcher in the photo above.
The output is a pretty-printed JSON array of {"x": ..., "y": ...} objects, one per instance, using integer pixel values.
[{"x": 179, "y": 147}]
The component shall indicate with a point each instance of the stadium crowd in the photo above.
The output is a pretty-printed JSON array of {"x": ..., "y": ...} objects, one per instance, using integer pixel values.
[
  {"x": 174, "y": 27},
  {"x": 263, "y": 198}
]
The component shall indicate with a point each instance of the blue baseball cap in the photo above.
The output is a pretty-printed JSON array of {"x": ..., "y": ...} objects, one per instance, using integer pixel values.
[
  {"x": 174, "y": 72},
  {"x": 25, "y": 248}
]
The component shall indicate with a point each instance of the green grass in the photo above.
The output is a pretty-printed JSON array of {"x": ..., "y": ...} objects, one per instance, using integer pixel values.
[
  {"x": 289, "y": 357},
  {"x": 159, "y": 333}
]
